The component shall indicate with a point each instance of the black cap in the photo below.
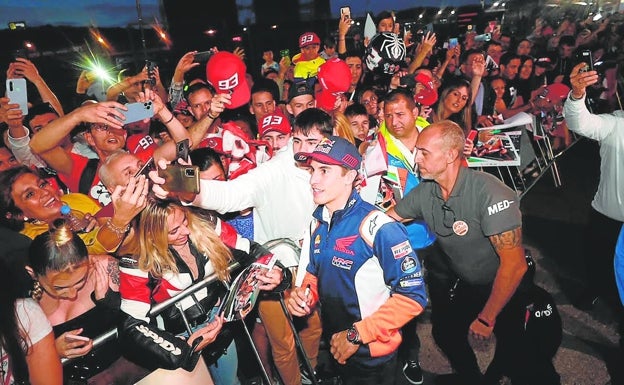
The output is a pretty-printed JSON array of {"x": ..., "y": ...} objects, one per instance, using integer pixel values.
[{"x": 298, "y": 89}]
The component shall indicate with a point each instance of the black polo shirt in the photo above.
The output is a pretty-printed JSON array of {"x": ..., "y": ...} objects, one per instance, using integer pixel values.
[{"x": 479, "y": 206}]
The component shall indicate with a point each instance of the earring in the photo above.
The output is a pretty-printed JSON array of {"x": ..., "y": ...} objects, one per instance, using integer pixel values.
[
  {"x": 37, "y": 291},
  {"x": 25, "y": 219}
]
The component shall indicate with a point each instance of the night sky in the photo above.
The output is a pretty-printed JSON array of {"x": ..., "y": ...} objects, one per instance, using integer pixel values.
[{"x": 120, "y": 13}]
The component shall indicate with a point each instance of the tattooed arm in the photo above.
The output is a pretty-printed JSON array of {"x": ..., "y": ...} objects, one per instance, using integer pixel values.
[{"x": 508, "y": 246}]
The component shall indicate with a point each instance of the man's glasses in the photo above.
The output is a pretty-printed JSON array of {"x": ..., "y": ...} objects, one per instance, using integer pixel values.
[
  {"x": 104, "y": 127},
  {"x": 366, "y": 102},
  {"x": 448, "y": 219}
]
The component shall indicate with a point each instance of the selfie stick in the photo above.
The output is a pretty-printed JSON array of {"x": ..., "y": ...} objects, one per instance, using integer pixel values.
[{"x": 140, "y": 17}]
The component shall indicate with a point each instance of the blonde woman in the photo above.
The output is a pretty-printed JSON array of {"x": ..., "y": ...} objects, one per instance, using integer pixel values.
[{"x": 177, "y": 248}]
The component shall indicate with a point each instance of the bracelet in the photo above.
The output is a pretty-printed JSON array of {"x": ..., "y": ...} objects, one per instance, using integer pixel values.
[
  {"x": 484, "y": 322},
  {"x": 170, "y": 119},
  {"x": 120, "y": 231},
  {"x": 212, "y": 117}
]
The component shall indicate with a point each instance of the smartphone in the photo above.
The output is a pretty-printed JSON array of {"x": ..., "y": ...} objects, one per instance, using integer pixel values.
[
  {"x": 490, "y": 64},
  {"x": 345, "y": 12},
  {"x": 146, "y": 168},
  {"x": 77, "y": 337},
  {"x": 452, "y": 43},
  {"x": 492, "y": 25},
  {"x": 16, "y": 91},
  {"x": 182, "y": 150},
  {"x": 586, "y": 57},
  {"x": 483, "y": 37},
  {"x": 472, "y": 135},
  {"x": 180, "y": 178},
  {"x": 20, "y": 53},
  {"x": 151, "y": 66},
  {"x": 137, "y": 111},
  {"x": 203, "y": 56}
]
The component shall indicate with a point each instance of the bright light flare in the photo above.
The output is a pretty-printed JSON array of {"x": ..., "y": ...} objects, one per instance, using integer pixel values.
[
  {"x": 161, "y": 33},
  {"x": 98, "y": 37}
]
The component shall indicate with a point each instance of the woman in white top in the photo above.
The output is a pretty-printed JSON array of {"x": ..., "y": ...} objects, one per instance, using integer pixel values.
[{"x": 26, "y": 340}]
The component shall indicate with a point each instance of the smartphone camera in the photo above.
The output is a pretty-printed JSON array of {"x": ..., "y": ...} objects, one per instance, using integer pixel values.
[
  {"x": 147, "y": 105},
  {"x": 189, "y": 172}
]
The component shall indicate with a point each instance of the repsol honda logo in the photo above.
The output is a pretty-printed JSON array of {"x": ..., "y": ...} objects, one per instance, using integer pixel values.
[{"x": 500, "y": 206}]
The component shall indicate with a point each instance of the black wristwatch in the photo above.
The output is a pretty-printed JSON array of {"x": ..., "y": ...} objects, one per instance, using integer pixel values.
[{"x": 353, "y": 336}]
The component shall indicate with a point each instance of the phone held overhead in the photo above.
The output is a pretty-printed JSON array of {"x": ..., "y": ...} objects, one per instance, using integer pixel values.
[{"x": 17, "y": 94}]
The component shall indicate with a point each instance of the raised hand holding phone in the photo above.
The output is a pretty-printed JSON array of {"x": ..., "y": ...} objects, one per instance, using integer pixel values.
[{"x": 17, "y": 94}]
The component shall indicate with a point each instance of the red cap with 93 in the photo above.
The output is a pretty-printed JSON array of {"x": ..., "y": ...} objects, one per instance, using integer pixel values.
[{"x": 227, "y": 74}]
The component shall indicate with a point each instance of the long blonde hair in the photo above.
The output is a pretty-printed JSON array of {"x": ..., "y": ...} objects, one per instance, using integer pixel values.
[
  {"x": 342, "y": 127},
  {"x": 154, "y": 254}
]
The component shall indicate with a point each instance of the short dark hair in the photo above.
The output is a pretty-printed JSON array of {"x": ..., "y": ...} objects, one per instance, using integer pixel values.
[
  {"x": 39, "y": 109},
  {"x": 355, "y": 109},
  {"x": 507, "y": 57},
  {"x": 400, "y": 94},
  {"x": 314, "y": 118},
  {"x": 206, "y": 157},
  {"x": 199, "y": 86},
  {"x": 463, "y": 59},
  {"x": 381, "y": 16},
  {"x": 265, "y": 85}
]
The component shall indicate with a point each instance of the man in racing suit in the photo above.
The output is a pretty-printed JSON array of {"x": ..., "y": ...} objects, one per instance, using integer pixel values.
[{"x": 362, "y": 269}]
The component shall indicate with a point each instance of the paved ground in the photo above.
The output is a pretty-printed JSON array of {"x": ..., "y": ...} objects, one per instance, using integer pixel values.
[{"x": 553, "y": 231}]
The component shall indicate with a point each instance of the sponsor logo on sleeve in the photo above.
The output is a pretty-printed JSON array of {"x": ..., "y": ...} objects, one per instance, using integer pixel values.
[
  {"x": 499, "y": 206},
  {"x": 408, "y": 265},
  {"x": 411, "y": 282},
  {"x": 401, "y": 250}
]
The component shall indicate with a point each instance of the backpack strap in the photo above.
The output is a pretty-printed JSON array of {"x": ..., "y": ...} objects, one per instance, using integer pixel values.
[{"x": 88, "y": 176}]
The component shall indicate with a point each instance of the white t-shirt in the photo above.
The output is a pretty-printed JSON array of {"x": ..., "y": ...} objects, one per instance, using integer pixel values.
[{"x": 33, "y": 323}]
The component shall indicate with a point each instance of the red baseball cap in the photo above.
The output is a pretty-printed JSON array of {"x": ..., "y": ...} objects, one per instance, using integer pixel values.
[
  {"x": 143, "y": 146},
  {"x": 274, "y": 122},
  {"x": 326, "y": 100},
  {"x": 334, "y": 76},
  {"x": 557, "y": 91},
  {"x": 308, "y": 38},
  {"x": 227, "y": 74}
]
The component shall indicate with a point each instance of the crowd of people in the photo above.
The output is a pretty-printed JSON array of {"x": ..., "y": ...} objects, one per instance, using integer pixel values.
[{"x": 354, "y": 153}]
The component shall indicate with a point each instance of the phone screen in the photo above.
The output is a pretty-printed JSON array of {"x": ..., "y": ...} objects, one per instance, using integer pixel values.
[
  {"x": 182, "y": 149},
  {"x": 147, "y": 166},
  {"x": 452, "y": 43},
  {"x": 586, "y": 57}
]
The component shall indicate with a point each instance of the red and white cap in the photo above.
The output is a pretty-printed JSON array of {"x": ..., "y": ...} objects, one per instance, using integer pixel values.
[
  {"x": 143, "y": 146},
  {"x": 308, "y": 38},
  {"x": 334, "y": 76},
  {"x": 274, "y": 122},
  {"x": 227, "y": 74}
]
